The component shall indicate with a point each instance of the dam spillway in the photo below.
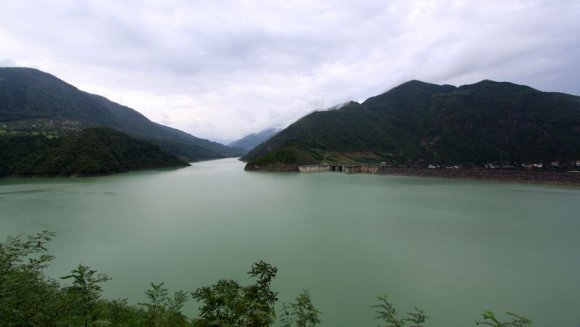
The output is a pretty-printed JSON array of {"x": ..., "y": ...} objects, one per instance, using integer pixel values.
[{"x": 344, "y": 168}]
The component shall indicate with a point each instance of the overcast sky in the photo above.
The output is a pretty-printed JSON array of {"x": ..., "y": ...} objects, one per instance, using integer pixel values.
[{"x": 223, "y": 69}]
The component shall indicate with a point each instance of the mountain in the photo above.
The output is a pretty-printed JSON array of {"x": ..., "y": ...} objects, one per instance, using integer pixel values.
[
  {"x": 417, "y": 123},
  {"x": 92, "y": 151},
  {"x": 31, "y": 100},
  {"x": 250, "y": 141}
]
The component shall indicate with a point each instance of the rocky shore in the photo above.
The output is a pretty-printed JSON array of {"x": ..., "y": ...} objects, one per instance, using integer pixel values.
[
  {"x": 273, "y": 167},
  {"x": 519, "y": 176}
]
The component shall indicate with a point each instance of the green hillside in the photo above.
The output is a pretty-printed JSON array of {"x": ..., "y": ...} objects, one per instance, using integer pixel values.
[
  {"x": 34, "y": 101},
  {"x": 416, "y": 124},
  {"x": 93, "y": 151}
]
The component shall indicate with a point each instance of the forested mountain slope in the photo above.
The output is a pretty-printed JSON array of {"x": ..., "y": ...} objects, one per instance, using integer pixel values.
[
  {"x": 417, "y": 123},
  {"x": 34, "y": 101}
]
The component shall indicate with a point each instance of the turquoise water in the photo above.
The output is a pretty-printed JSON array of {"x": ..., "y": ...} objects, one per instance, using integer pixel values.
[{"x": 453, "y": 248}]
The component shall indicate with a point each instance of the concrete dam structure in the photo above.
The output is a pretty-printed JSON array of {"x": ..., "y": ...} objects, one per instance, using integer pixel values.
[{"x": 344, "y": 168}]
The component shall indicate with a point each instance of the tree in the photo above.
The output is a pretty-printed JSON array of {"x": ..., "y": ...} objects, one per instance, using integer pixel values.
[
  {"x": 16, "y": 250},
  {"x": 163, "y": 310},
  {"x": 302, "y": 313},
  {"x": 227, "y": 303},
  {"x": 121, "y": 314},
  {"x": 489, "y": 319},
  {"x": 26, "y": 296},
  {"x": 157, "y": 296},
  {"x": 86, "y": 285},
  {"x": 387, "y": 312},
  {"x": 259, "y": 298}
]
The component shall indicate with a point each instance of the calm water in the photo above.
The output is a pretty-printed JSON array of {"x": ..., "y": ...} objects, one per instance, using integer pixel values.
[{"x": 453, "y": 248}]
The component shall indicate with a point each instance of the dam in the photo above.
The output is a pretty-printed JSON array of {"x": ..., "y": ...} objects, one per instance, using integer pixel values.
[{"x": 344, "y": 168}]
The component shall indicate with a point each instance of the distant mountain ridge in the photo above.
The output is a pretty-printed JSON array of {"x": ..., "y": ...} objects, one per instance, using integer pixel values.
[
  {"x": 417, "y": 124},
  {"x": 251, "y": 141},
  {"x": 31, "y": 99}
]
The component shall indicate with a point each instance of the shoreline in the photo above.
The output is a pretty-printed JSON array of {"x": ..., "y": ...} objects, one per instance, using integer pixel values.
[
  {"x": 86, "y": 175},
  {"x": 514, "y": 176},
  {"x": 518, "y": 176}
]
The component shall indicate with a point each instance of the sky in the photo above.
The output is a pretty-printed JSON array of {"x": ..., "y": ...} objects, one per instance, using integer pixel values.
[{"x": 222, "y": 69}]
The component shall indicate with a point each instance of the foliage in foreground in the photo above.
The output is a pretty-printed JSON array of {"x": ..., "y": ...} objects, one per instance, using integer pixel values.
[
  {"x": 227, "y": 303},
  {"x": 388, "y": 314},
  {"x": 29, "y": 298},
  {"x": 301, "y": 313},
  {"x": 489, "y": 319}
]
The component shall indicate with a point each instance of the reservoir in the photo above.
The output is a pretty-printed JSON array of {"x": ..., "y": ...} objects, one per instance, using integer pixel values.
[{"x": 451, "y": 247}]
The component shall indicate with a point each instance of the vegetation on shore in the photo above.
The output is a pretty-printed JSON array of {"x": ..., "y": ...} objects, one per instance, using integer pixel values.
[
  {"x": 93, "y": 151},
  {"x": 29, "y": 298}
]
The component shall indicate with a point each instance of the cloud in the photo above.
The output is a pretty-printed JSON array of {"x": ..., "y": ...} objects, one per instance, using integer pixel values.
[
  {"x": 222, "y": 69},
  {"x": 7, "y": 63}
]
